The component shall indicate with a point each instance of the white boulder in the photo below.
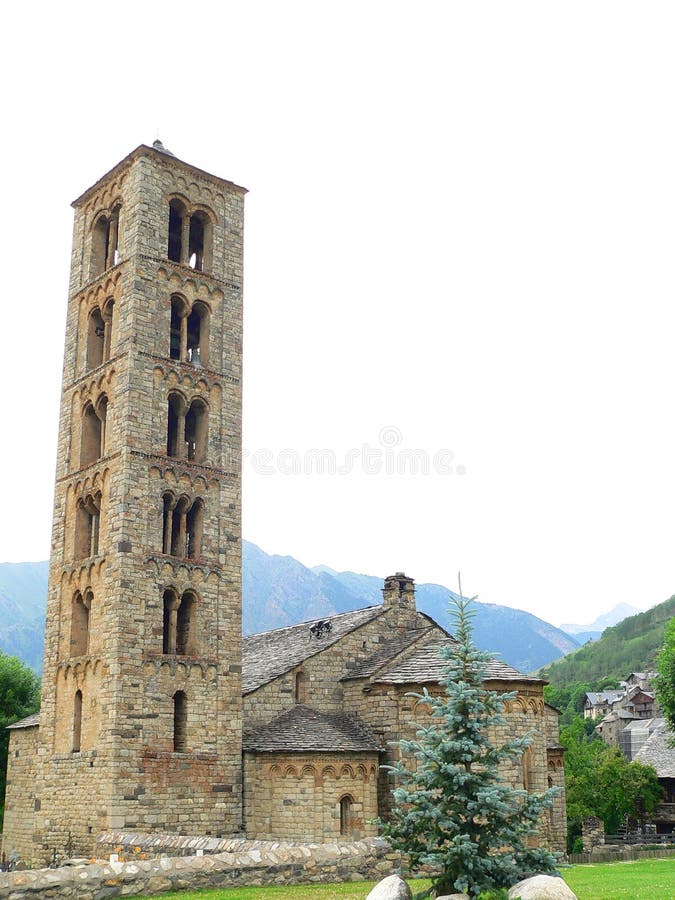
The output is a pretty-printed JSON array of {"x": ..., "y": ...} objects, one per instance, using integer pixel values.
[
  {"x": 393, "y": 887},
  {"x": 541, "y": 887}
]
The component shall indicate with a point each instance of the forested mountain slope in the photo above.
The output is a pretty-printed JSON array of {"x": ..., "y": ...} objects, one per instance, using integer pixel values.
[{"x": 630, "y": 646}]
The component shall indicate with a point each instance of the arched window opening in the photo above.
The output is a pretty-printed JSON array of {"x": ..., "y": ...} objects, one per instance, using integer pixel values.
[
  {"x": 100, "y": 242},
  {"x": 177, "y": 218},
  {"x": 185, "y": 625},
  {"x": 177, "y": 327},
  {"x": 77, "y": 721},
  {"x": 79, "y": 624},
  {"x": 346, "y": 814},
  {"x": 179, "y": 722},
  {"x": 179, "y": 527},
  {"x": 170, "y": 602},
  {"x": 102, "y": 413},
  {"x": 196, "y": 422},
  {"x": 197, "y": 241},
  {"x": 107, "y": 317},
  {"x": 300, "y": 692},
  {"x": 198, "y": 335},
  {"x": 168, "y": 505},
  {"x": 95, "y": 339},
  {"x": 87, "y": 521},
  {"x": 90, "y": 449},
  {"x": 193, "y": 530},
  {"x": 104, "y": 240},
  {"x": 175, "y": 430}
]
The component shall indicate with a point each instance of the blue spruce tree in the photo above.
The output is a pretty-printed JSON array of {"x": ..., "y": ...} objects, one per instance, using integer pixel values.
[{"x": 453, "y": 809}]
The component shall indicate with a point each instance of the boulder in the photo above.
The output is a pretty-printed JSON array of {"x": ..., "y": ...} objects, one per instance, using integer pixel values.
[
  {"x": 393, "y": 887},
  {"x": 541, "y": 887},
  {"x": 454, "y": 897}
]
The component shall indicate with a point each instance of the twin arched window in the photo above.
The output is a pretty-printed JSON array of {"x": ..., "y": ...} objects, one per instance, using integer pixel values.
[
  {"x": 179, "y": 623},
  {"x": 189, "y": 236},
  {"x": 186, "y": 428},
  {"x": 189, "y": 340}
]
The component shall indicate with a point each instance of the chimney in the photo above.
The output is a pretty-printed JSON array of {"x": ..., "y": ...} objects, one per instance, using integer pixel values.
[{"x": 399, "y": 590}]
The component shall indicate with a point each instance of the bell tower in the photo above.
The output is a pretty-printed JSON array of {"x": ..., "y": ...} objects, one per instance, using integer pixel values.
[{"x": 140, "y": 725}]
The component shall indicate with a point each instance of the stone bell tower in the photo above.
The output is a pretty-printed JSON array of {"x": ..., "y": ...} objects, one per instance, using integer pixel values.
[{"x": 140, "y": 725}]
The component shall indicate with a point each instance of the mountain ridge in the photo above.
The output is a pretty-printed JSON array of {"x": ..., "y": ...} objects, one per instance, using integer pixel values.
[{"x": 279, "y": 591}]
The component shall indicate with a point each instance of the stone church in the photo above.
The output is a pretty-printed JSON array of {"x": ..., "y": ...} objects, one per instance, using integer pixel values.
[{"x": 156, "y": 716}]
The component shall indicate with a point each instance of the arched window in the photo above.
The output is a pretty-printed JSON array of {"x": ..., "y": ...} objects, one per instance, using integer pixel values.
[
  {"x": 198, "y": 335},
  {"x": 300, "y": 692},
  {"x": 79, "y": 624},
  {"x": 194, "y": 519},
  {"x": 179, "y": 628},
  {"x": 93, "y": 431},
  {"x": 186, "y": 429},
  {"x": 346, "y": 816},
  {"x": 90, "y": 449},
  {"x": 196, "y": 422},
  {"x": 178, "y": 313},
  {"x": 77, "y": 721},
  {"x": 171, "y": 602},
  {"x": 189, "y": 331},
  {"x": 104, "y": 240},
  {"x": 107, "y": 315},
  {"x": 185, "y": 625},
  {"x": 179, "y": 722},
  {"x": 87, "y": 521},
  {"x": 177, "y": 215},
  {"x": 189, "y": 236},
  {"x": 182, "y": 526},
  {"x": 175, "y": 429},
  {"x": 95, "y": 338},
  {"x": 198, "y": 227}
]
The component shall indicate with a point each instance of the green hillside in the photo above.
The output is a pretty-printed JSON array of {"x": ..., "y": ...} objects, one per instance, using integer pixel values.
[{"x": 630, "y": 646}]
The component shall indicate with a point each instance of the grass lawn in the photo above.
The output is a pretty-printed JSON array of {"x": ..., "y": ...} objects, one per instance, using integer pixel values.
[{"x": 649, "y": 879}]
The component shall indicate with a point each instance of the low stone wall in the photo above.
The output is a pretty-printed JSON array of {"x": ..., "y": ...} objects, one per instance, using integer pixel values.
[{"x": 251, "y": 863}]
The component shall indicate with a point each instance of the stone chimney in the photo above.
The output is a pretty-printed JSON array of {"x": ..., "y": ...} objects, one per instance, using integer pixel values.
[{"x": 399, "y": 590}]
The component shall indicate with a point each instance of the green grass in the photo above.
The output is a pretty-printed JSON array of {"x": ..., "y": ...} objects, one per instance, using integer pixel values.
[{"x": 649, "y": 879}]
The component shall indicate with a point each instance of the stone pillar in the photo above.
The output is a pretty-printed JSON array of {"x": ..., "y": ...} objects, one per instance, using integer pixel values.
[{"x": 592, "y": 833}]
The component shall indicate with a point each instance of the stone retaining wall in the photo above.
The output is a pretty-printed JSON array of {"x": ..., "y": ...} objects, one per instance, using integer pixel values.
[{"x": 251, "y": 863}]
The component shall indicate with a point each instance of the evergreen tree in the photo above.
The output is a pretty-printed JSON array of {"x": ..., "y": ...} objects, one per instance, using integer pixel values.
[{"x": 453, "y": 809}]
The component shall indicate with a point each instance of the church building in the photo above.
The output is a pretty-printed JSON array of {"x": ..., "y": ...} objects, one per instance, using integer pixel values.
[{"x": 156, "y": 716}]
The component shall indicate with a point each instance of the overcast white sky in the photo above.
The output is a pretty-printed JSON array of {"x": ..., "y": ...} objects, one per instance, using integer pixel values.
[{"x": 460, "y": 234}]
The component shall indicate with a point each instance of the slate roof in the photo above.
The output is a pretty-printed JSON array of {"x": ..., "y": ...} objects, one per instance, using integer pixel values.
[
  {"x": 28, "y": 722},
  {"x": 386, "y": 653},
  {"x": 595, "y": 697},
  {"x": 303, "y": 728},
  {"x": 656, "y": 752},
  {"x": 426, "y": 664},
  {"x": 269, "y": 654}
]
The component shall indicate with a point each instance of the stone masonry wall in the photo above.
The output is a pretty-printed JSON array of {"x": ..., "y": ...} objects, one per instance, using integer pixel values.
[
  {"x": 19, "y": 823},
  {"x": 244, "y": 864},
  {"x": 298, "y": 795}
]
